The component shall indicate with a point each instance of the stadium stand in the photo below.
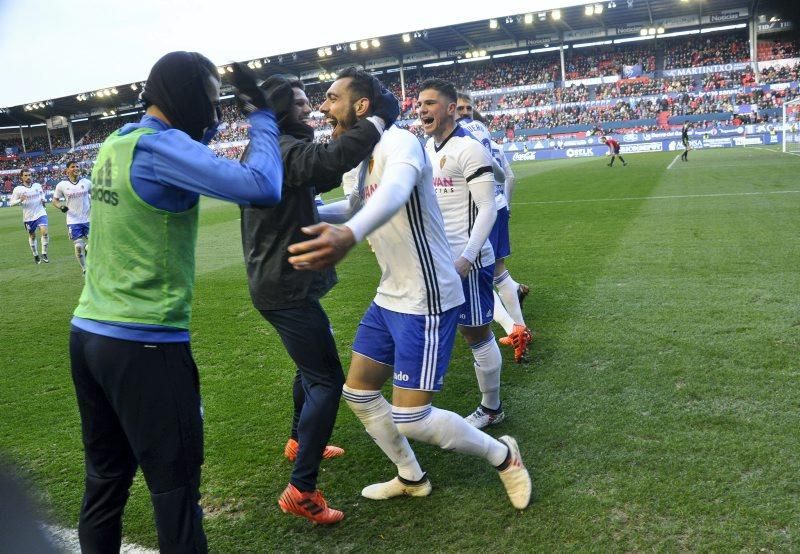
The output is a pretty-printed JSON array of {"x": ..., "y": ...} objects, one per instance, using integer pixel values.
[{"x": 638, "y": 99}]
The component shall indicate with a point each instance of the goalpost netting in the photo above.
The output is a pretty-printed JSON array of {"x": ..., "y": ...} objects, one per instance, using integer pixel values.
[{"x": 791, "y": 126}]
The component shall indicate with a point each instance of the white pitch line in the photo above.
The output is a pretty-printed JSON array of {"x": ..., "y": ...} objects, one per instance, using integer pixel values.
[
  {"x": 675, "y": 160},
  {"x": 657, "y": 197},
  {"x": 773, "y": 151},
  {"x": 67, "y": 540}
]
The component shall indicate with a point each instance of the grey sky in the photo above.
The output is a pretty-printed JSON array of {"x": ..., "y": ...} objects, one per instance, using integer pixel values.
[{"x": 53, "y": 48}]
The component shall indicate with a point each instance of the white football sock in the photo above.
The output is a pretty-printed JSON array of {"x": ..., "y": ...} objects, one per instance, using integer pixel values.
[
  {"x": 32, "y": 243},
  {"x": 45, "y": 242},
  {"x": 372, "y": 409},
  {"x": 508, "y": 288},
  {"x": 80, "y": 252},
  {"x": 501, "y": 315},
  {"x": 449, "y": 431},
  {"x": 488, "y": 363}
]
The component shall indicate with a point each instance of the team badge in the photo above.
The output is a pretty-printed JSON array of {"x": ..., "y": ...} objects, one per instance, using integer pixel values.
[
  {"x": 442, "y": 161},
  {"x": 371, "y": 164}
]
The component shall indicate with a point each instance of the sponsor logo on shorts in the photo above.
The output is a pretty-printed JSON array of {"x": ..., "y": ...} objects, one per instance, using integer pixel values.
[{"x": 400, "y": 376}]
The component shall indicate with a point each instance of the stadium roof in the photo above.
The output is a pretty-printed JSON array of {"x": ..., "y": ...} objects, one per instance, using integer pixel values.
[{"x": 608, "y": 20}]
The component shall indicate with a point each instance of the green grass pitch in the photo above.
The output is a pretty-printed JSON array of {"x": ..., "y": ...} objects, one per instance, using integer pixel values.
[{"x": 659, "y": 409}]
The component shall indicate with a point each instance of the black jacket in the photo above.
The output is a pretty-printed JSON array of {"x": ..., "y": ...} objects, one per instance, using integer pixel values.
[{"x": 308, "y": 169}]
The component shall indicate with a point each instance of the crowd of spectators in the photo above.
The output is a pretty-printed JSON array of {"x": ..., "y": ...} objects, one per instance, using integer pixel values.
[
  {"x": 607, "y": 61},
  {"x": 780, "y": 74},
  {"x": 644, "y": 86},
  {"x": 545, "y": 108},
  {"x": 700, "y": 51}
]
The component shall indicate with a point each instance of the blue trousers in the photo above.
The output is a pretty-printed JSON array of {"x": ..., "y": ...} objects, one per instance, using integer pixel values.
[{"x": 306, "y": 334}]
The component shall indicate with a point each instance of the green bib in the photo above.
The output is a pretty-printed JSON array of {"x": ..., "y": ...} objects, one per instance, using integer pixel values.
[{"x": 140, "y": 262}]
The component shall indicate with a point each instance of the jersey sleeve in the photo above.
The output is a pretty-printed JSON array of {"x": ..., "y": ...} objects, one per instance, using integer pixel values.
[
  {"x": 58, "y": 193},
  {"x": 476, "y": 163}
]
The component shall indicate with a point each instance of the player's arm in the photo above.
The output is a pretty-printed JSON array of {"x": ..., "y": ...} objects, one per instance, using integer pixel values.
[
  {"x": 397, "y": 182},
  {"x": 187, "y": 164},
  {"x": 58, "y": 196},
  {"x": 511, "y": 181},
  {"x": 16, "y": 198},
  {"x": 476, "y": 164},
  {"x": 497, "y": 170},
  {"x": 322, "y": 165},
  {"x": 341, "y": 211}
]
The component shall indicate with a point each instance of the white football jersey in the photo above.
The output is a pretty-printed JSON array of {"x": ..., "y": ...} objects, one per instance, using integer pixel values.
[
  {"x": 500, "y": 186},
  {"x": 31, "y": 199},
  {"x": 482, "y": 135},
  {"x": 77, "y": 198},
  {"x": 479, "y": 131},
  {"x": 456, "y": 162},
  {"x": 417, "y": 271}
]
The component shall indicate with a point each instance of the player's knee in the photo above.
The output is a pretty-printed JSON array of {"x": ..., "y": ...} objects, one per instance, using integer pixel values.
[
  {"x": 415, "y": 430},
  {"x": 477, "y": 336},
  {"x": 365, "y": 403},
  {"x": 414, "y": 424},
  {"x": 437, "y": 427},
  {"x": 163, "y": 477}
]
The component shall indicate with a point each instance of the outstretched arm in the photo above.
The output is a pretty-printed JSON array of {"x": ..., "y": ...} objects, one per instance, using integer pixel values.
[{"x": 334, "y": 242}]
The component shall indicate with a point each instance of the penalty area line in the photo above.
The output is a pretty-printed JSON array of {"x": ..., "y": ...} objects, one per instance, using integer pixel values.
[
  {"x": 675, "y": 160},
  {"x": 773, "y": 151}
]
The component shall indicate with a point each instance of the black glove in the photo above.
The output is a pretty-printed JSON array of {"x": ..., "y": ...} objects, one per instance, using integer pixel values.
[
  {"x": 386, "y": 105},
  {"x": 280, "y": 97},
  {"x": 248, "y": 96},
  {"x": 64, "y": 209}
]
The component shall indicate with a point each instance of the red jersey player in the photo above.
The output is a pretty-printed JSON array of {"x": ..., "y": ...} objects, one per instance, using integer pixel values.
[{"x": 613, "y": 149}]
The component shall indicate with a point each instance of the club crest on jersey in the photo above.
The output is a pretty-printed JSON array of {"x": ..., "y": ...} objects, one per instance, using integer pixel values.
[
  {"x": 371, "y": 164},
  {"x": 442, "y": 161}
]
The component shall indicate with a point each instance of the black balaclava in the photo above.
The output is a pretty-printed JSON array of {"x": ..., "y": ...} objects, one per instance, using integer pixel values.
[{"x": 180, "y": 85}]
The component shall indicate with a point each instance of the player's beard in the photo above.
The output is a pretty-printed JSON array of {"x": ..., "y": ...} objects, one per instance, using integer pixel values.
[{"x": 343, "y": 125}]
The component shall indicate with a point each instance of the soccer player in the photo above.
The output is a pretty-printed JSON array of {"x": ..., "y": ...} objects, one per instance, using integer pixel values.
[
  {"x": 613, "y": 150},
  {"x": 464, "y": 183},
  {"x": 72, "y": 196},
  {"x": 507, "y": 300},
  {"x": 289, "y": 299},
  {"x": 34, "y": 216},
  {"x": 407, "y": 332},
  {"x": 136, "y": 382},
  {"x": 685, "y": 141}
]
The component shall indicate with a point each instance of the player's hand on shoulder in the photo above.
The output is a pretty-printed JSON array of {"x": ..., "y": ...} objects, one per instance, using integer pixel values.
[
  {"x": 463, "y": 266},
  {"x": 332, "y": 243}
]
